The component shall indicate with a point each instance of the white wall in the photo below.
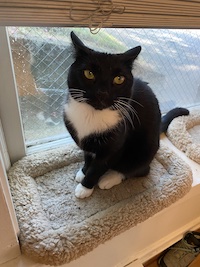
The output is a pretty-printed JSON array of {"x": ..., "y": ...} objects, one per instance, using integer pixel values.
[{"x": 9, "y": 246}]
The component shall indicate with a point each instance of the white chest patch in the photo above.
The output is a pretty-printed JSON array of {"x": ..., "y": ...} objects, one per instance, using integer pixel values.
[{"x": 87, "y": 120}]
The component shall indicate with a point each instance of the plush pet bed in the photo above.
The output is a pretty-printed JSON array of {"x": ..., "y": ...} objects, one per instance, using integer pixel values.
[
  {"x": 184, "y": 133},
  {"x": 56, "y": 227}
]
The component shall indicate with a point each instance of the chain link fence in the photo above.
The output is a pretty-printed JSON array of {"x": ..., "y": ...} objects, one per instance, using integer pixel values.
[{"x": 169, "y": 62}]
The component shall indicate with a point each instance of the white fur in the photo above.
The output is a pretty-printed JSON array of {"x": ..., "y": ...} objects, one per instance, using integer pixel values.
[
  {"x": 110, "y": 179},
  {"x": 83, "y": 192},
  {"x": 79, "y": 176},
  {"x": 88, "y": 120}
]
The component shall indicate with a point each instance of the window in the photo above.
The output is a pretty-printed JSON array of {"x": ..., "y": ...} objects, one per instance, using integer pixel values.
[
  {"x": 169, "y": 62},
  {"x": 41, "y": 57},
  {"x": 41, "y": 61}
]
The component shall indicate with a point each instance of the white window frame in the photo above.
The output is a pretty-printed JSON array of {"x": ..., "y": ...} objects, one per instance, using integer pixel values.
[
  {"x": 12, "y": 148},
  {"x": 9, "y": 103}
]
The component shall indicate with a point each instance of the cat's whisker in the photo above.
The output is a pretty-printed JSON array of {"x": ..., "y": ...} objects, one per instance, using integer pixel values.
[
  {"x": 126, "y": 106},
  {"x": 123, "y": 118},
  {"x": 78, "y": 96},
  {"x": 82, "y": 99},
  {"x": 130, "y": 108},
  {"x": 76, "y": 93},
  {"x": 125, "y": 113},
  {"x": 136, "y": 115},
  {"x": 76, "y": 90},
  {"x": 129, "y": 99},
  {"x": 117, "y": 107}
]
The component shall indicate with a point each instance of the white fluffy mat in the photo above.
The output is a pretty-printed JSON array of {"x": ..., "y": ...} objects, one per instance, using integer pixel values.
[
  {"x": 184, "y": 133},
  {"x": 56, "y": 228}
]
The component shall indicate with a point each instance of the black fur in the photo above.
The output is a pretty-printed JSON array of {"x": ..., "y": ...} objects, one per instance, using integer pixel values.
[
  {"x": 166, "y": 119},
  {"x": 130, "y": 146}
]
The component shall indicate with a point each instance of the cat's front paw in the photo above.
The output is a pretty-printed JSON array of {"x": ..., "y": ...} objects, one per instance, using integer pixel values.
[
  {"x": 79, "y": 176},
  {"x": 82, "y": 191},
  {"x": 110, "y": 179}
]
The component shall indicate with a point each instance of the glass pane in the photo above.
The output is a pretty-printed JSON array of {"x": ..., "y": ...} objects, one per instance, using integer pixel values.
[{"x": 169, "y": 62}]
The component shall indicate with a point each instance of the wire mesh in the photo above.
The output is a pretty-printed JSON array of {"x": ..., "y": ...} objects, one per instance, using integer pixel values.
[{"x": 169, "y": 62}]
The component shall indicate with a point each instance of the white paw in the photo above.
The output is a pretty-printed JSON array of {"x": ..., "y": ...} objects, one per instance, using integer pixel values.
[
  {"x": 109, "y": 179},
  {"x": 83, "y": 192},
  {"x": 79, "y": 176}
]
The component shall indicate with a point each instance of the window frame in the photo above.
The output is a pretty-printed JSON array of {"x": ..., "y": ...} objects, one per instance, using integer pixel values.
[
  {"x": 12, "y": 147},
  {"x": 9, "y": 104}
]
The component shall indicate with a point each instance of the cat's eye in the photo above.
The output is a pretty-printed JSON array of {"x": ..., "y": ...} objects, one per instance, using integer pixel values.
[
  {"x": 118, "y": 79},
  {"x": 89, "y": 75}
]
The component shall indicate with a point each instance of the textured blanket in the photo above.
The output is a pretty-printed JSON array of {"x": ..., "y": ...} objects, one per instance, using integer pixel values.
[
  {"x": 56, "y": 227},
  {"x": 184, "y": 133}
]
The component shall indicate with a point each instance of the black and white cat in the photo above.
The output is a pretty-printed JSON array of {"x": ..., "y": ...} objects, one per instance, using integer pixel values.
[{"x": 114, "y": 118}]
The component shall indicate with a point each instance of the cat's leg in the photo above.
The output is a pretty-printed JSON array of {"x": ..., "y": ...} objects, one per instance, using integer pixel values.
[
  {"x": 110, "y": 179},
  {"x": 82, "y": 191},
  {"x": 96, "y": 169},
  {"x": 88, "y": 157},
  {"x": 142, "y": 171},
  {"x": 139, "y": 171},
  {"x": 79, "y": 175}
]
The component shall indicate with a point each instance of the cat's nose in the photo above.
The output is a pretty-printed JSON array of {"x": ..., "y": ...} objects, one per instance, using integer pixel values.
[
  {"x": 104, "y": 100},
  {"x": 103, "y": 94}
]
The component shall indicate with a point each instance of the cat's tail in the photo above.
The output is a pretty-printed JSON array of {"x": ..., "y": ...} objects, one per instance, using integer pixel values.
[{"x": 167, "y": 118}]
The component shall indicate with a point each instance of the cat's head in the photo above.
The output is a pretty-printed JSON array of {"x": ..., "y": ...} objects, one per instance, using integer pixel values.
[{"x": 100, "y": 79}]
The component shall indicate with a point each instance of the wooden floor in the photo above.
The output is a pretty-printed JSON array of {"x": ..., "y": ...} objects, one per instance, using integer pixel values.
[
  {"x": 154, "y": 261},
  {"x": 153, "y": 264}
]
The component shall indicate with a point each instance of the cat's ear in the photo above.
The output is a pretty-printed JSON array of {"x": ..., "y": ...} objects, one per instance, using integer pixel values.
[
  {"x": 78, "y": 44},
  {"x": 130, "y": 55}
]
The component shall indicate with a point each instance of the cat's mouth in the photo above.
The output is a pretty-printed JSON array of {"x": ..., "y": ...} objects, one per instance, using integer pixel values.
[{"x": 100, "y": 104}]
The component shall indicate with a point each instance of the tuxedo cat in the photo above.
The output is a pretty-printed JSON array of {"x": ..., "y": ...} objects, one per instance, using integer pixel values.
[{"x": 114, "y": 118}]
